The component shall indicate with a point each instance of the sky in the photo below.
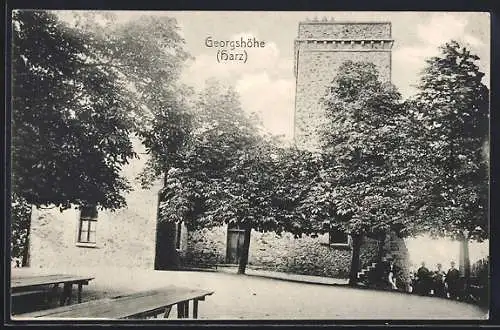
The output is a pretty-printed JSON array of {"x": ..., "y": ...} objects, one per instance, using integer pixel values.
[
  {"x": 266, "y": 83},
  {"x": 433, "y": 251}
]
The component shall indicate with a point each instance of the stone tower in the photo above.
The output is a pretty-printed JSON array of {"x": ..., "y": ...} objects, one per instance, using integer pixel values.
[{"x": 320, "y": 48}]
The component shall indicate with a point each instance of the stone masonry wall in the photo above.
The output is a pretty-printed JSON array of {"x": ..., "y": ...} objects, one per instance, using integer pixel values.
[
  {"x": 319, "y": 51},
  {"x": 315, "y": 72},
  {"x": 369, "y": 252},
  {"x": 398, "y": 252},
  {"x": 124, "y": 238},
  {"x": 205, "y": 247},
  {"x": 305, "y": 255}
]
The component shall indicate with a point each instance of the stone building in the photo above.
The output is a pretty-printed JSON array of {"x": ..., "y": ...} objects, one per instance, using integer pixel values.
[
  {"x": 132, "y": 237},
  {"x": 124, "y": 238}
]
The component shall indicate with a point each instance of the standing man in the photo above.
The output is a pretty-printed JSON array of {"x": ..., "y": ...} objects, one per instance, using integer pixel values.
[
  {"x": 423, "y": 279},
  {"x": 452, "y": 281}
]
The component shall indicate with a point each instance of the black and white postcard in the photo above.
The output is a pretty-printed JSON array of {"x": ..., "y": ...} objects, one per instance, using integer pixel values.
[{"x": 239, "y": 165}]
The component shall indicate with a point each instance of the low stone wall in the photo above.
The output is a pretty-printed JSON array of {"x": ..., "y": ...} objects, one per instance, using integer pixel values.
[
  {"x": 369, "y": 251},
  {"x": 305, "y": 255},
  {"x": 205, "y": 247}
]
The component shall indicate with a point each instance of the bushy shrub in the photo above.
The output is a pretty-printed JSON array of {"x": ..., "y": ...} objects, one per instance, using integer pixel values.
[{"x": 20, "y": 220}]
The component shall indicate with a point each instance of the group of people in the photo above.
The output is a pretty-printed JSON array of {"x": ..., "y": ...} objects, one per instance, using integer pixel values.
[{"x": 438, "y": 283}]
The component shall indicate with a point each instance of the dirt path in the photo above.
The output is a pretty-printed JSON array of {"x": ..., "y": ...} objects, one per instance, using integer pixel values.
[{"x": 250, "y": 297}]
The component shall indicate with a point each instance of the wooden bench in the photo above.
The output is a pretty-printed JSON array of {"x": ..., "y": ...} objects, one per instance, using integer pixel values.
[
  {"x": 28, "y": 293},
  {"x": 19, "y": 285},
  {"x": 139, "y": 305}
]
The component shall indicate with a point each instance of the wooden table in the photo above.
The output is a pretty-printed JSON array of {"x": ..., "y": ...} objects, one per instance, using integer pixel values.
[
  {"x": 22, "y": 285},
  {"x": 138, "y": 305}
]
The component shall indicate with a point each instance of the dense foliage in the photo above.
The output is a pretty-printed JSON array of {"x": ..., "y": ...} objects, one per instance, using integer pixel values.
[
  {"x": 21, "y": 216},
  {"x": 71, "y": 124},
  {"x": 78, "y": 94},
  {"x": 80, "y": 91},
  {"x": 230, "y": 171},
  {"x": 366, "y": 151},
  {"x": 364, "y": 142},
  {"x": 453, "y": 104}
]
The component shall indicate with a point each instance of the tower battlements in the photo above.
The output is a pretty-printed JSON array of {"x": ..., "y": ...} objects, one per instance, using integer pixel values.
[
  {"x": 344, "y": 30},
  {"x": 329, "y": 35}
]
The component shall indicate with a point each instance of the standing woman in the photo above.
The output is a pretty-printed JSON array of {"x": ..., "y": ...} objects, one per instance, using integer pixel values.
[
  {"x": 391, "y": 276},
  {"x": 438, "y": 281}
]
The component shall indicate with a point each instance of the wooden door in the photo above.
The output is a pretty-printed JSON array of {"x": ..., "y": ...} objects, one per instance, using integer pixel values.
[
  {"x": 234, "y": 247},
  {"x": 166, "y": 256}
]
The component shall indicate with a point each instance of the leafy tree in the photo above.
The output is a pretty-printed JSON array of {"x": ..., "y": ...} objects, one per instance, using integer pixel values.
[
  {"x": 264, "y": 191},
  {"x": 232, "y": 172},
  {"x": 366, "y": 155},
  {"x": 69, "y": 120},
  {"x": 454, "y": 106},
  {"x": 148, "y": 54},
  {"x": 217, "y": 135},
  {"x": 78, "y": 94},
  {"x": 198, "y": 184}
]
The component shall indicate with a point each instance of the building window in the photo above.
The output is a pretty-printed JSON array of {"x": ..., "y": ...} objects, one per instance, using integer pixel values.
[
  {"x": 87, "y": 225},
  {"x": 338, "y": 237}
]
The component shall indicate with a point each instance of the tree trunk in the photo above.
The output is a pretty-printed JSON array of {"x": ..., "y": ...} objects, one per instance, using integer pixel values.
[
  {"x": 244, "y": 254},
  {"x": 381, "y": 250},
  {"x": 25, "y": 262},
  {"x": 157, "y": 262},
  {"x": 464, "y": 262},
  {"x": 465, "y": 247},
  {"x": 356, "y": 247}
]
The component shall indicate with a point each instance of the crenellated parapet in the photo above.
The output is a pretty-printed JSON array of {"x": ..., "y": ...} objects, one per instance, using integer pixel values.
[
  {"x": 344, "y": 30},
  {"x": 331, "y": 36}
]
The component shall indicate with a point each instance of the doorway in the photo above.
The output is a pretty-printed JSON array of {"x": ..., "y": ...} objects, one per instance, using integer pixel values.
[{"x": 234, "y": 247}]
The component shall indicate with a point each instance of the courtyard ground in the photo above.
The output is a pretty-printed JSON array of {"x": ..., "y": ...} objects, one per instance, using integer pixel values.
[{"x": 256, "y": 297}]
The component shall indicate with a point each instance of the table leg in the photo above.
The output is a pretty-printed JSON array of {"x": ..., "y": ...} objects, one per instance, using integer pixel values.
[
  {"x": 62, "y": 299},
  {"x": 70, "y": 293},
  {"x": 195, "y": 308},
  {"x": 79, "y": 294},
  {"x": 53, "y": 293},
  {"x": 186, "y": 309},
  {"x": 180, "y": 310},
  {"x": 167, "y": 312},
  {"x": 183, "y": 309},
  {"x": 66, "y": 294}
]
